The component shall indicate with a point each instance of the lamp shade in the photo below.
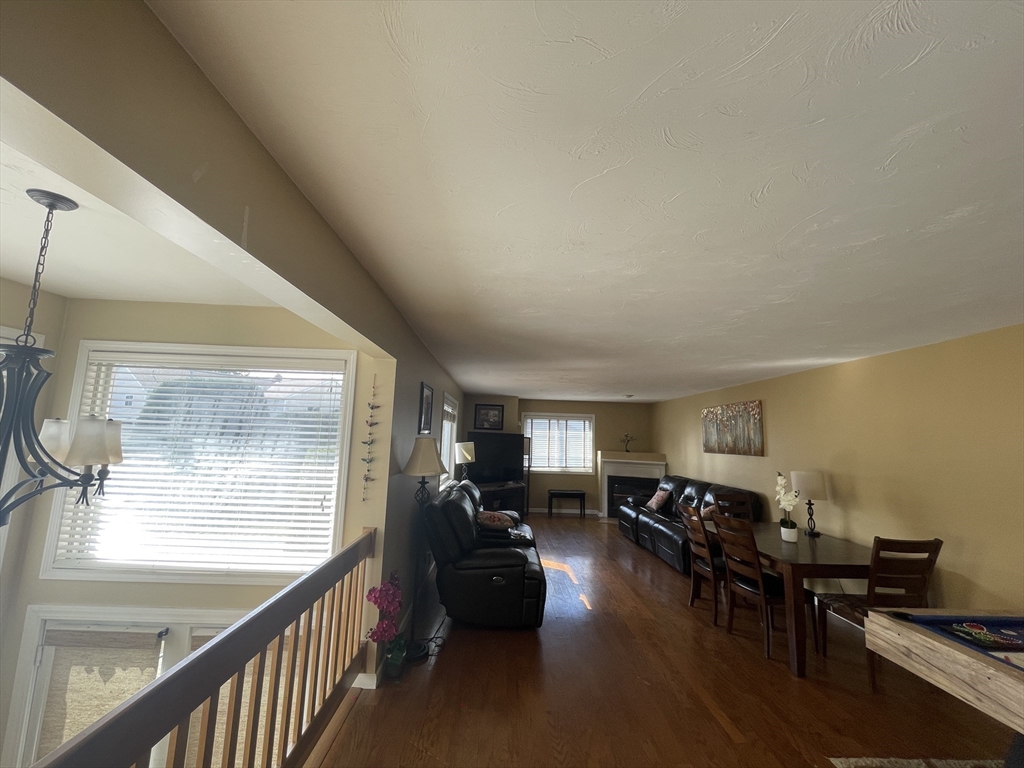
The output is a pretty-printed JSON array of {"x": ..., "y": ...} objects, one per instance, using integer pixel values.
[
  {"x": 465, "y": 453},
  {"x": 55, "y": 437},
  {"x": 95, "y": 442},
  {"x": 425, "y": 460},
  {"x": 811, "y": 485}
]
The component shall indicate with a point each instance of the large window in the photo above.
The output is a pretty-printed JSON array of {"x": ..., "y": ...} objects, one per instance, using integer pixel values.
[
  {"x": 231, "y": 461},
  {"x": 449, "y": 425},
  {"x": 560, "y": 442}
]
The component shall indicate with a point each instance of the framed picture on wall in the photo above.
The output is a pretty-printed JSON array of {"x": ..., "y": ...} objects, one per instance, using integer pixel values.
[
  {"x": 426, "y": 408},
  {"x": 489, "y": 417}
]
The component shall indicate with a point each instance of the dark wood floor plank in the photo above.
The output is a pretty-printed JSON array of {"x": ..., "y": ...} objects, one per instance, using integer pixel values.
[{"x": 628, "y": 675}]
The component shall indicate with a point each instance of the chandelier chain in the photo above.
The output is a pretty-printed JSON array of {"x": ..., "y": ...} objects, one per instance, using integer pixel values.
[{"x": 26, "y": 338}]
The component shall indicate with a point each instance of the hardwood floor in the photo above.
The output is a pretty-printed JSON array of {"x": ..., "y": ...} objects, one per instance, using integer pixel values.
[{"x": 623, "y": 673}]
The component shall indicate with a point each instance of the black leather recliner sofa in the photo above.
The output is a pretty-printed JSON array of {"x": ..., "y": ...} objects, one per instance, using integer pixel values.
[
  {"x": 662, "y": 530},
  {"x": 492, "y": 580}
]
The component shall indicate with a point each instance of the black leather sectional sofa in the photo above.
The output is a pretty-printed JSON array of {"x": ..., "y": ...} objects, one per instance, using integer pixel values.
[
  {"x": 661, "y": 530},
  {"x": 487, "y": 578}
]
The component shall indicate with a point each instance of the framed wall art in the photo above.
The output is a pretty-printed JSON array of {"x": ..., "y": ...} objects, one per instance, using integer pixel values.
[
  {"x": 426, "y": 408},
  {"x": 735, "y": 428},
  {"x": 489, "y": 417}
]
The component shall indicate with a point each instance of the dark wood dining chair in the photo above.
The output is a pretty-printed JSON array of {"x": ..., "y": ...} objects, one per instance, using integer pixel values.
[
  {"x": 898, "y": 578},
  {"x": 732, "y": 504},
  {"x": 745, "y": 577},
  {"x": 704, "y": 564}
]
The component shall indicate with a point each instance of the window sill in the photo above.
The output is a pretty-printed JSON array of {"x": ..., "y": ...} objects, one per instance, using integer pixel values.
[
  {"x": 169, "y": 576},
  {"x": 546, "y": 471}
]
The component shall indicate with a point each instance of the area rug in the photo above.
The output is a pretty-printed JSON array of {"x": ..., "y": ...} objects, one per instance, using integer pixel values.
[{"x": 900, "y": 762}]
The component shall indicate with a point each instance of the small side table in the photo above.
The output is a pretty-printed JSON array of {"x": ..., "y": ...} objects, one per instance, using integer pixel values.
[{"x": 580, "y": 496}]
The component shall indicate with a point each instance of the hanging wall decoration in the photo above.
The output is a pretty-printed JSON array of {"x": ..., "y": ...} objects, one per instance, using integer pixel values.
[
  {"x": 735, "y": 428},
  {"x": 371, "y": 422}
]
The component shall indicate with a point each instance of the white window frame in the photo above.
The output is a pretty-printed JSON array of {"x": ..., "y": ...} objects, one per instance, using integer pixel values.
[
  {"x": 268, "y": 355},
  {"x": 24, "y": 721},
  {"x": 12, "y": 472},
  {"x": 449, "y": 461},
  {"x": 564, "y": 470}
]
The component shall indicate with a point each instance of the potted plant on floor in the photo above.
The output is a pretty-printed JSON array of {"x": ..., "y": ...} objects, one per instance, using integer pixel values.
[
  {"x": 787, "y": 500},
  {"x": 388, "y": 600}
]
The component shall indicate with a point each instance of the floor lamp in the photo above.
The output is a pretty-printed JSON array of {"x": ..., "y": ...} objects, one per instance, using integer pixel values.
[{"x": 424, "y": 462}]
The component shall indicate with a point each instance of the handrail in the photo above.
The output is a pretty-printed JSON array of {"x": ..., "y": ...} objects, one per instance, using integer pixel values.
[{"x": 317, "y": 619}]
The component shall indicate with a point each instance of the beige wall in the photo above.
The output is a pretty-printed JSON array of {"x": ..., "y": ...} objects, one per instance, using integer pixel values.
[
  {"x": 611, "y": 421},
  {"x": 511, "y": 413},
  {"x": 113, "y": 72},
  {"x": 916, "y": 444}
]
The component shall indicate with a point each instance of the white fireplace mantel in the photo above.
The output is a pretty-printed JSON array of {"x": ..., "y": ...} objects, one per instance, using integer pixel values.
[{"x": 617, "y": 463}]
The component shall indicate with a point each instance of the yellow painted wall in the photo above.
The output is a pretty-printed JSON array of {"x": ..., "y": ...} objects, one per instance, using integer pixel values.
[
  {"x": 611, "y": 420},
  {"x": 915, "y": 444},
  {"x": 511, "y": 413}
]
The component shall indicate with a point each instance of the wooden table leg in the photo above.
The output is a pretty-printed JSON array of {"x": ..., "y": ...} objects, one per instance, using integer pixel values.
[
  {"x": 583, "y": 507},
  {"x": 795, "y": 623},
  {"x": 549, "y": 504}
]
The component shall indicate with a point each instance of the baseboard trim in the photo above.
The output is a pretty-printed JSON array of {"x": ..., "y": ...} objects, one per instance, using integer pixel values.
[
  {"x": 567, "y": 512},
  {"x": 369, "y": 681}
]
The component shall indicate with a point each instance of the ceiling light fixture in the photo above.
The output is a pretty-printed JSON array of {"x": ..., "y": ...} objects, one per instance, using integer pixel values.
[{"x": 49, "y": 454}]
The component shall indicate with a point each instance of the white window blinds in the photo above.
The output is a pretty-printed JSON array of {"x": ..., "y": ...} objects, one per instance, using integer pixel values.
[
  {"x": 560, "y": 442},
  {"x": 449, "y": 420},
  {"x": 229, "y": 464}
]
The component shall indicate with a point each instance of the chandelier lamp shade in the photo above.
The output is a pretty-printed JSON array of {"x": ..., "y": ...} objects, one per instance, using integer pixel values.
[{"x": 49, "y": 457}]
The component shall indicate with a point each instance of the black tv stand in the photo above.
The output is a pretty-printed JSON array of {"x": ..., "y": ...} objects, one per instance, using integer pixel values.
[{"x": 508, "y": 495}]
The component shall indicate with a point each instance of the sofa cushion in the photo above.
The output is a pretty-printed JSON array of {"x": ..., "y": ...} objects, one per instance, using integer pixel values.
[
  {"x": 693, "y": 493},
  {"x": 443, "y": 541},
  {"x": 473, "y": 492},
  {"x": 462, "y": 518}
]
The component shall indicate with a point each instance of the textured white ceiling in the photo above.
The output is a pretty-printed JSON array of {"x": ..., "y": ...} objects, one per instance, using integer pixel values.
[
  {"x": 585, "y": 200},
  {"x": 97, "y": 252}
]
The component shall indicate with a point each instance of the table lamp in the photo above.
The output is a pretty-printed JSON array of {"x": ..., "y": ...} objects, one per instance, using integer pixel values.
[
  {"x": 465, "y": 454},
  {"x": 425, "y": 461},
  {"x": 810, "y": 486}
]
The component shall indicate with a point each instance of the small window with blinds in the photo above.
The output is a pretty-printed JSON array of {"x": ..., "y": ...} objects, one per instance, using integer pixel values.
[
  {"x": 560, "y": 442},
  {"x": 231, "y": 462},
  {"x": 449, "y": 423}
]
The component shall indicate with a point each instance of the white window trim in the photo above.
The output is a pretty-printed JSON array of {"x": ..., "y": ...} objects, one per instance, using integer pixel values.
[
  {"x": 194, "y": 575},
  {"x": 12, "y": 472},
  {"x": 449, "y": 461},
  {"x": 28, "y": 671},
  {"x": 561, "y": 470}
]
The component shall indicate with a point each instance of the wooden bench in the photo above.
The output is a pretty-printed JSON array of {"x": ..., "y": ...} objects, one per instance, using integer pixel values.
[{"x": 580, "y": 496}]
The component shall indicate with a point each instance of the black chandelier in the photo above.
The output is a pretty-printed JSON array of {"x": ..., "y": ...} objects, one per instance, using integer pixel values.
[{"x": 47, "y": 456}]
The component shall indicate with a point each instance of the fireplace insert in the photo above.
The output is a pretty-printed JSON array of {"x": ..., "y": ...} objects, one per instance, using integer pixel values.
[{"x": 621, "y": 488}]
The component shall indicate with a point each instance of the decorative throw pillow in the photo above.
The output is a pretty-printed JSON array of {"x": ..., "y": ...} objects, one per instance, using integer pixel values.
[
  {"x": 657, "y": 500},
  {"x": 495, "y": 521}
]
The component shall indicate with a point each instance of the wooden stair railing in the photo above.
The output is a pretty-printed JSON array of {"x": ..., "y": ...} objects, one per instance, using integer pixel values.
[{"x": 258, "y": 694}]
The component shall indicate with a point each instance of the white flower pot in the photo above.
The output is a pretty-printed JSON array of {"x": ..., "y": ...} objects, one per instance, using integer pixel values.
[{"x": 790, "y": 534}]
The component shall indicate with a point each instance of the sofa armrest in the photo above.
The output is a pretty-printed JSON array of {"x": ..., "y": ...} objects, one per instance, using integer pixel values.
[
  {"x": 504, "y": 557},
  {"x": 637, "y": 501}
]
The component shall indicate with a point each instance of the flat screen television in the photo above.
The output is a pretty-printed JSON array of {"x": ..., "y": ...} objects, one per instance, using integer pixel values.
[{"x": 499, "y": 457}]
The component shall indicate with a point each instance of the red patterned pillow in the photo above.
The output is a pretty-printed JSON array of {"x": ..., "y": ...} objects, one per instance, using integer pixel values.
[
  {"x": 495, "y": 521},
  {"x": 657, "y": 500}
]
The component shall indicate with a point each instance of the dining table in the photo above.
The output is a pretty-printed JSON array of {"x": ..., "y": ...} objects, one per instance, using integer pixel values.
[{"x": 810, "y": 557}]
